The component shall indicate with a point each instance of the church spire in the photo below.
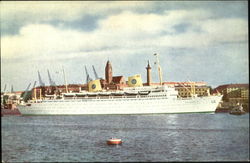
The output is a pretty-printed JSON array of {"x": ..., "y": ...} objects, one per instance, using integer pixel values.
[{"x": 108, "y": 72}]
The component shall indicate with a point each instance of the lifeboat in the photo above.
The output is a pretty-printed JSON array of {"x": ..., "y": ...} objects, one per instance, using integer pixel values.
[{"x": 114, "y": 141}]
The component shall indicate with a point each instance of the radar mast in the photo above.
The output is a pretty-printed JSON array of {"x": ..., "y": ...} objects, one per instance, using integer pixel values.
[{"x": 159, "y": 68}]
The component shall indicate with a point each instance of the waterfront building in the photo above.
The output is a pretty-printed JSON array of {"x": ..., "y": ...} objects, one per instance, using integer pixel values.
[
  {"x": 234, "y": 93},
  {"x": 41, "y": 91},
  {"x": 186, "y": 89}
]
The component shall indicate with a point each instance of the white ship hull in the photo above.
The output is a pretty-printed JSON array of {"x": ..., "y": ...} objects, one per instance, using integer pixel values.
[{"x": 147, "y": 105}]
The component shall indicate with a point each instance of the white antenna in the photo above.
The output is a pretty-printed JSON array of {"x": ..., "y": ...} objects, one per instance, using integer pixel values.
[{"x": 159, "y": 68}]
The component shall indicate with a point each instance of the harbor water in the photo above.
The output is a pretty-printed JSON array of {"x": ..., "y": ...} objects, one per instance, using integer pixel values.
[{"x": 159, "y": 137}]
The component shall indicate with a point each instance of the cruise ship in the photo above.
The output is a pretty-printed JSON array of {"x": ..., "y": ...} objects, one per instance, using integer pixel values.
[
  {"x": 149, "y": 100},
  {"x": 135, "y": 99}
]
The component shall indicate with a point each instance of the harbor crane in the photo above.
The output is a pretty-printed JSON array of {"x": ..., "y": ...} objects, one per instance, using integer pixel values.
[
  {"x": 41, "y": 83},
  {"x": 28, "y": 93},
  {"x": 159, "y": 68},
  {"x": 34, "y": 85},
  {"x": 88, "y": 79},
  {"x": 96, "y": 76},
  {"x": 25, "y": 95},
  {"x": 51, "y": 82}
]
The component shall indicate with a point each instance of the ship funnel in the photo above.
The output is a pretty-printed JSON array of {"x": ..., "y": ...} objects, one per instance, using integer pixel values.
[
  {"x": 135, "y": 81},
  {"x": 94, "y": 86}
]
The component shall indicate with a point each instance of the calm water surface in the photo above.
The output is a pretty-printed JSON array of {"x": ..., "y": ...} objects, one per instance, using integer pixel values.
[{"x": 162, "y": 137}]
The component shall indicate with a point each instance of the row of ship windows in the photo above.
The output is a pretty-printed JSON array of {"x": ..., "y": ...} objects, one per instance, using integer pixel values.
[
  {"x": 50, "y": 106},
  {"x": 110, "y": 107},
  {"x": 123, "y": 97},
  {"x": 104, "y": 100}
]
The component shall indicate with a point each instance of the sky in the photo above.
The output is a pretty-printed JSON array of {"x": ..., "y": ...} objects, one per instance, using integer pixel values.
[{"x": 195, "y": 40}]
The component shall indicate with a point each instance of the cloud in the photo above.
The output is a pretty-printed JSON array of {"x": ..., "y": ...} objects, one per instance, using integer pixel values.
[
  {"x": 46, "y": 11},
  {"x": 16, "y": 14},
  {"x": 135, "y": 24},
  {"x": 127, "y": 30},
  {"x": 142, "y": 30},
  {"x": 39, "y": 40},
  {"x": 126, "y": 36},
  {"x": 226, "y": 30}
]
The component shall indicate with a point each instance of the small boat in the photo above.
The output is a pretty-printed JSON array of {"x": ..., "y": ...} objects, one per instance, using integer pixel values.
[
  {"x": 114, "y": 141},
  {"x": 237, "y": 110}
]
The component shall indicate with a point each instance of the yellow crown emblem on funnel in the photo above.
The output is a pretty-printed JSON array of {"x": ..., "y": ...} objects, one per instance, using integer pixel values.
[
  {"x": 135, "y": 81},
  {"x": 94, "y": 86}
]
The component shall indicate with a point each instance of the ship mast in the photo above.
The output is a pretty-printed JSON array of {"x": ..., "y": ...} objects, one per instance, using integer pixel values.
[{"x": 159, "y": 68}]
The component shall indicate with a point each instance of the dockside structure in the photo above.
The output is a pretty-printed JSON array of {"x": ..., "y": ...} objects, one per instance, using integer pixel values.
[{"x": 233, "y": 94}]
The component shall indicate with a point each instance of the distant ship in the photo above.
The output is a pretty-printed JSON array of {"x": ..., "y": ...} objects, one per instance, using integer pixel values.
[{"x": 135, "y": 99}]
